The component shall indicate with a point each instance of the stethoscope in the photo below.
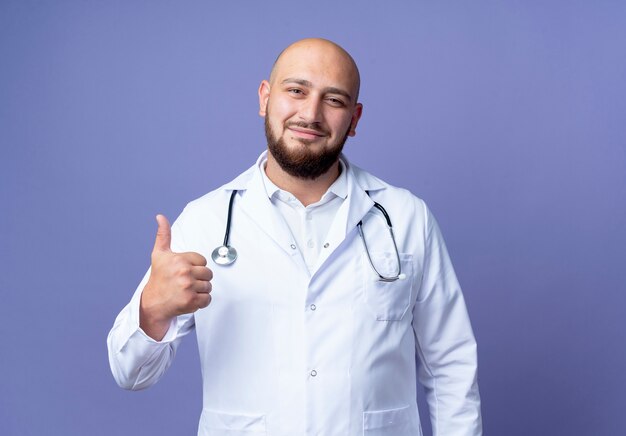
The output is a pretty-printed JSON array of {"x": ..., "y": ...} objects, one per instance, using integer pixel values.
[{"x": 226, "y": 254}]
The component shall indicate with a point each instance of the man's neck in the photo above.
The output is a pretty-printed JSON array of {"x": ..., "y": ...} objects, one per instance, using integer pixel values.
[{"x": 307, "y": 191}]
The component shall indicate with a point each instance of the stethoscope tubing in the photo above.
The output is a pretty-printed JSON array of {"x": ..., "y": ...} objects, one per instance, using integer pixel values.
[
  {"x": 381, "y": 277},
  {"x": 228, "y": 220}
]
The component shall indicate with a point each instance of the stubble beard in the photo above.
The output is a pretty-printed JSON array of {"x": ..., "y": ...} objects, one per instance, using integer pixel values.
[{"x": 303, "y": 162}]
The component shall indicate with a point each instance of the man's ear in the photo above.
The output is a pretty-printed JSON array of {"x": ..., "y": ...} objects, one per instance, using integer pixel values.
[
  {"x": 356, "y": 116},
  {"x": 264, "y": 96}
]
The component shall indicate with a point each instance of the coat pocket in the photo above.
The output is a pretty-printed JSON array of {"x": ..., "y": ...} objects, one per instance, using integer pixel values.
[
  {"x": 389, "y": 301},
  {"x": 213, "y": 423},
  {"x": 397, "y": 422}
]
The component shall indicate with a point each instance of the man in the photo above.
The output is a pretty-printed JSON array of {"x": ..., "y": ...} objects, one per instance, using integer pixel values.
[{"x": 325, "y": 321}]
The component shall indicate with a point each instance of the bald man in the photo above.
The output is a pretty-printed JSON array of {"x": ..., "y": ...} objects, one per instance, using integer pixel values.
[{"x": 312, "y": 316}]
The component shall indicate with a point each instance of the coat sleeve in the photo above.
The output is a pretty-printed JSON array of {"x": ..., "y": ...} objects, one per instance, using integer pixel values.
[
  {"x": 137, "y": 361},
  {"x": 445, "y": 343}
]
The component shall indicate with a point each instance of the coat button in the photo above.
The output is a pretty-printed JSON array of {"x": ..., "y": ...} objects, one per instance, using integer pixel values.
[
  {"x": 313, "y": 373},
  {"x": 313, "y": 307}
]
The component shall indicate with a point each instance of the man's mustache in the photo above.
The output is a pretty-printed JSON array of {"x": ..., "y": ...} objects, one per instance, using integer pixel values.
[{"x": 310, "y": 126}]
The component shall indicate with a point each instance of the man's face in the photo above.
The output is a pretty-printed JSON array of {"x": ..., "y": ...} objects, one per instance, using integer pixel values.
[{"x": 310, "y": 108}]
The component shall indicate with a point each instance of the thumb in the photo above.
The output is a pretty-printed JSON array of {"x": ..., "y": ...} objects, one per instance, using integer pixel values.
[{"x": 164, "y": 234}]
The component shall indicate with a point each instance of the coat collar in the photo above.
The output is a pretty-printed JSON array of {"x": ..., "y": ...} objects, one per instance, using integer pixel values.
[{"x": 360, "y": 178}]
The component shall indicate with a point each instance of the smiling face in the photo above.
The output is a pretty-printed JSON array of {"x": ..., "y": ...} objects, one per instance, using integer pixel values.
[{"x": 310, "y": 107}]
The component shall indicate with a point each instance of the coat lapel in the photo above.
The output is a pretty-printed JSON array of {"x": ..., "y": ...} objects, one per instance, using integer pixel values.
[{"x": 255, "y": 203}]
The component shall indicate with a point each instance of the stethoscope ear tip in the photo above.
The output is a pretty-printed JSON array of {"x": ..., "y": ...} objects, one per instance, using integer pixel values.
[{"x": 402, "y": 276}]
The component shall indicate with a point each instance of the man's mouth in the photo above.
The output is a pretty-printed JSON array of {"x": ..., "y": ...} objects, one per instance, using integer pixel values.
[{"x": 305, "y": 132}]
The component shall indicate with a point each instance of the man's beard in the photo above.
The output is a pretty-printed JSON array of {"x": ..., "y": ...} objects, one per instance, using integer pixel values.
[{"x": 302, "y": 162}]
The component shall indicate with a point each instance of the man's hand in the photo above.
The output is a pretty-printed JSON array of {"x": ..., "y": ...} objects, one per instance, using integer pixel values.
[{"x": 179, "y": 283}]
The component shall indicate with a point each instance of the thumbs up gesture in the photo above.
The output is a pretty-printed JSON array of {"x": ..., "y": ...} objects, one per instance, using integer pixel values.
[{"x": 179, "y": 283}]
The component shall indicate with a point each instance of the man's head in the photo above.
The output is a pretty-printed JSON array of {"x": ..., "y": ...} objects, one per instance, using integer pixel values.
[{"x": 310, "y": 106}]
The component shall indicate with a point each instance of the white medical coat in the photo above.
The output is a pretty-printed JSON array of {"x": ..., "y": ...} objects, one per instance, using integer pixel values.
[{"x": 287, "y": 352}]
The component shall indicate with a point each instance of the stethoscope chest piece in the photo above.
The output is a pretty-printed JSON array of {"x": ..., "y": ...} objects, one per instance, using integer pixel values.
[{"x": 224, "y": 255}]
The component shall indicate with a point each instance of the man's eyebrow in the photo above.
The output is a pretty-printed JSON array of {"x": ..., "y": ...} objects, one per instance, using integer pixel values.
[
  {"x": 327, "y": 90},
  {"x": 298, "y": 82}
]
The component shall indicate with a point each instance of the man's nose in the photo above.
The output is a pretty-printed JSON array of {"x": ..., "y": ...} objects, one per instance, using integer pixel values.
[{"x": 311, "y": 110}]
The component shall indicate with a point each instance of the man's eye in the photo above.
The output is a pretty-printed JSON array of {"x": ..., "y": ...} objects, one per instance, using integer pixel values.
[
  {"x": 335, "y": 101},
  {"x": 295, "y": 91}
]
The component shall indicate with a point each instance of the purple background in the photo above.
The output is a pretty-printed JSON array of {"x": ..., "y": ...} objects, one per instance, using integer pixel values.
[{"x": 506, "y": 117}]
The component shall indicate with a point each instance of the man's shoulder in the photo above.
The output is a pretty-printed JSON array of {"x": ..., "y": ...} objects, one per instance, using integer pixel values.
[{"x": 379, "y": 188}]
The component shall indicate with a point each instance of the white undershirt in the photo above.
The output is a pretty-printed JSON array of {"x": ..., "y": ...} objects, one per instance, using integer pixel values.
[{"x": 309, "y": 225}]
